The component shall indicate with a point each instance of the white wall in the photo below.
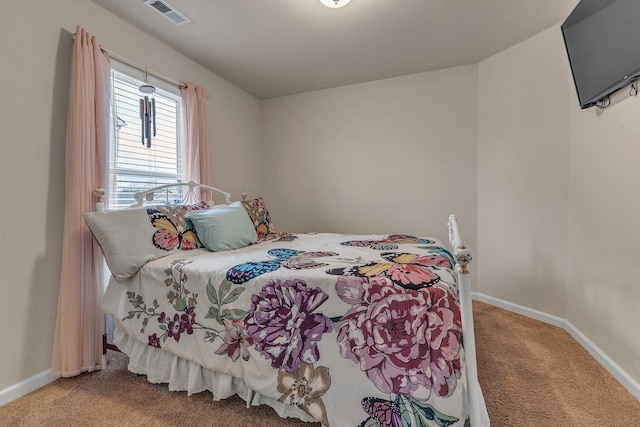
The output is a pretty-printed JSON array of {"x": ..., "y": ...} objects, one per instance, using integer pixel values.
[
  {"x": 523, "y": 157},
  {"x": 603, "y": 289},
  {"x": 35, "y": 43},
  {"x": 558, "y": 203},
  {"x": 390, "y": 156}
]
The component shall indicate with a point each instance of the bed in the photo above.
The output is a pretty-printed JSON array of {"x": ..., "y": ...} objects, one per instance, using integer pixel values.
[{"x": 343, "y": 330}]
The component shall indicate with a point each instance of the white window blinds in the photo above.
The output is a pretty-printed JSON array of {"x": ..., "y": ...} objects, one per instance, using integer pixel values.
[{"x": 132, "y": 165}]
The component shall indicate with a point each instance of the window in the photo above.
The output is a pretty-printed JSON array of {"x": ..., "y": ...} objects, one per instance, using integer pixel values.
[{"x": 132, "y": 166}]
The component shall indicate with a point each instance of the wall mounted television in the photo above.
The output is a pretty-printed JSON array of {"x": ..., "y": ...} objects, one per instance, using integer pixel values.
[{"x": 602, "y": 38}]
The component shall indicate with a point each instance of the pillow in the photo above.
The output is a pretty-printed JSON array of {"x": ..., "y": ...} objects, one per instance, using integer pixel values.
[
  {"x": 129, "y": 238},
  {"x": 174, "y": 229},
  {"x": 260, "y": 217},
  {"x": 224, "y": 228}
]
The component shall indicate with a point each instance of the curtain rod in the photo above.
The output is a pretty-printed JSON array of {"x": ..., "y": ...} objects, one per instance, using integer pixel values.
[
  {"x": 140, "y": 67},
  {"x": 143, "y": 69}
]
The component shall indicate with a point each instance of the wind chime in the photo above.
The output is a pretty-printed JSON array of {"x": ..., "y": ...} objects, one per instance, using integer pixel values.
[{"x": 147, "y": 111}]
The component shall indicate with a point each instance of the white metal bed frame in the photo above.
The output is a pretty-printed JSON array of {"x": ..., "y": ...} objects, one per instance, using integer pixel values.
[
  {"x": 478, "y": 416},
  {"x": 189, "y": 197}
]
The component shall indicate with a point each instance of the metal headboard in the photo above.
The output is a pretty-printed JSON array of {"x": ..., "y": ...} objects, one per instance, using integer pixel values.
[{"x": 155, "y": 193}]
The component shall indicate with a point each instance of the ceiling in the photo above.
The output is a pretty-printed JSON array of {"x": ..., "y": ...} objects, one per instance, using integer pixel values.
[{"x": 273, "y": 48}]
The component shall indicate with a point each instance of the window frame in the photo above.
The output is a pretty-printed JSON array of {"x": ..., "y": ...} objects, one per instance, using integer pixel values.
[{"x": 149, "y": 178}]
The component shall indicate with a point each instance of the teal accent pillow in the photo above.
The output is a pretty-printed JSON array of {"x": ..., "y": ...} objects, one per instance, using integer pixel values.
[{"x": 225, "y": 227}]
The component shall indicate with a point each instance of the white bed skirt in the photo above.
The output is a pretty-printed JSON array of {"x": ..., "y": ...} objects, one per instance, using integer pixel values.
[{"x": 161, "y": 367}]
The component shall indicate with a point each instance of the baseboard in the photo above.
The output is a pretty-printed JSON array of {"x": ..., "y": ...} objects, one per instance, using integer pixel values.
[
  {"x": 25, "y": 387},
  {"x": 520, "y": 309},
  {"x": 612, "y": 367}
]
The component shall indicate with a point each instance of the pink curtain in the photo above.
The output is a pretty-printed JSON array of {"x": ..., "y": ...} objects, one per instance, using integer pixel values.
[
  {"x": 197, "y": 161},
  {"x": 77, "y": 345}
]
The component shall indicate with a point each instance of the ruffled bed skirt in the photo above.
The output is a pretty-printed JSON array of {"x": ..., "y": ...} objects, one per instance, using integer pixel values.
[{"x": 161, "y": 367}]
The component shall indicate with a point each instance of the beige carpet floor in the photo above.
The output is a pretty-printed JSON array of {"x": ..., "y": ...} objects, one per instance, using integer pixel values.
[{"x": 532, "y": 374}]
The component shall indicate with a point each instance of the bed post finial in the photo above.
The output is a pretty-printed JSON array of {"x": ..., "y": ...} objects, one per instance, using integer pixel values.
[
  {"x": 99, "y": 192},
  {"x": 463, "y": 258},
  {"x": 461, "y": 254},
  {"x": 244, "y": 196}
]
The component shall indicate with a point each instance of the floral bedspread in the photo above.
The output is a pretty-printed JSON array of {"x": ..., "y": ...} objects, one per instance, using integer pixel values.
[{"x": 353, "y": 330}]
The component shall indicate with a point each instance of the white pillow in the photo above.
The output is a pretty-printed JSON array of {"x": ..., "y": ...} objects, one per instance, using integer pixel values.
[
  {"x": 130, "y": 238},
  {"x": 224, "y": 227}
]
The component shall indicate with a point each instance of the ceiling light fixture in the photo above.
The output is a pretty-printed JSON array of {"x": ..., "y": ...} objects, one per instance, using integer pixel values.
[{"x": 333, "y": 4}]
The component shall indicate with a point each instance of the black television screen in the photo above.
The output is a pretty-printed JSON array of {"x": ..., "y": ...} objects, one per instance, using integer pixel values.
[{"x": 602, "y": 38}]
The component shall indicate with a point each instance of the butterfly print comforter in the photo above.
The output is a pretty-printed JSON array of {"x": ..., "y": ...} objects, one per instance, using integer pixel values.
[{"x": 348, "y": 330}]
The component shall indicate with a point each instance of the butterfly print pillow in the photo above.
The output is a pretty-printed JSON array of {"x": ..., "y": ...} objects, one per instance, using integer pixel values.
[{"x": 174, "y": 230}]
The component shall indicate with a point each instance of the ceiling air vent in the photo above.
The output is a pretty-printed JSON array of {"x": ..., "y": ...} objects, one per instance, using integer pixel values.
[{"x": 168, "y": 11}]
